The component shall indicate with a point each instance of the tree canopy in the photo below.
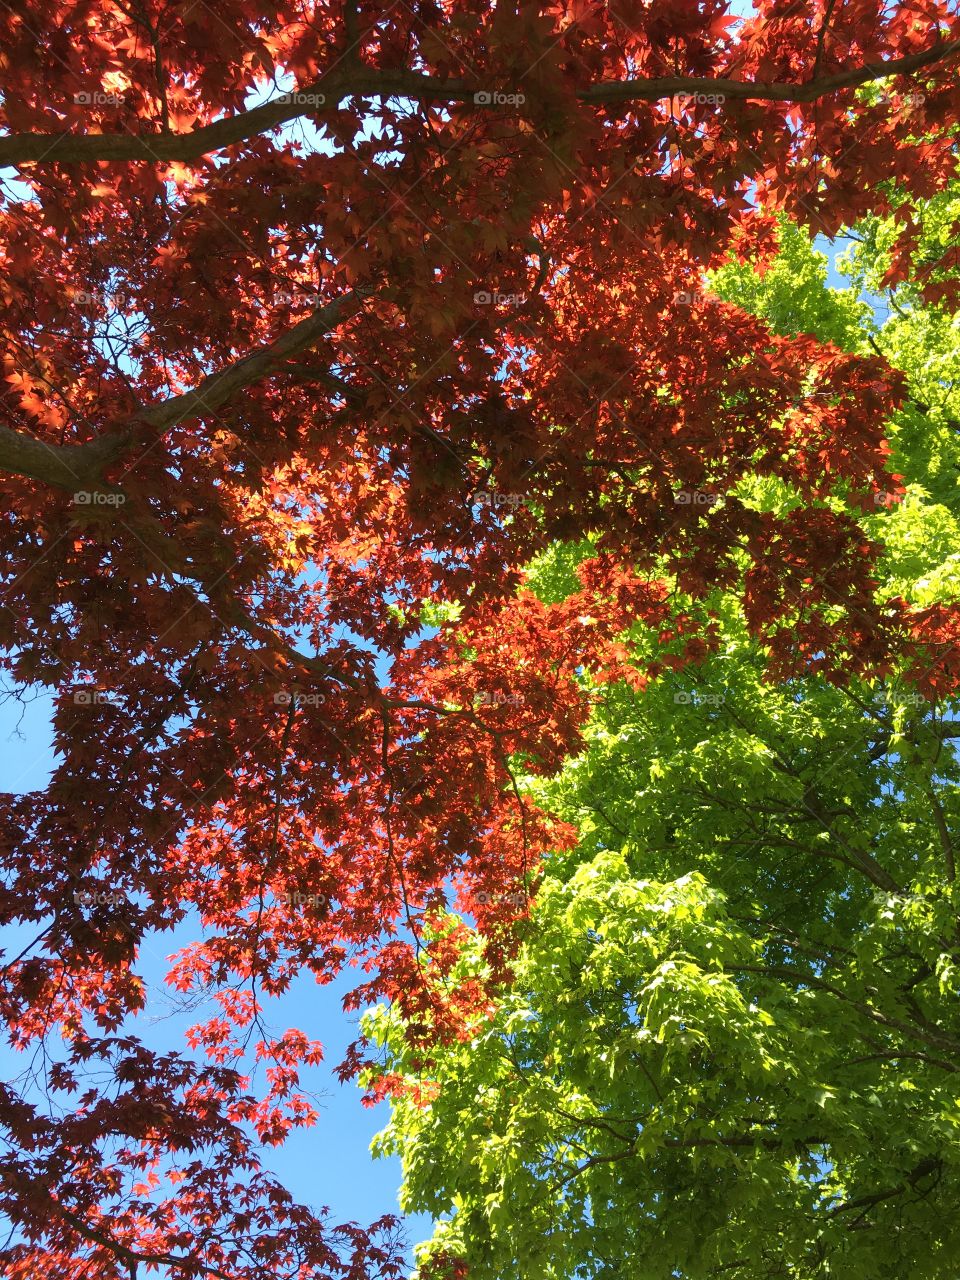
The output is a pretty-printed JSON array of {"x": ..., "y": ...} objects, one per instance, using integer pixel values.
[
  {"x": 320, "y": 323},
  {"x": 729, "y": 1043}
]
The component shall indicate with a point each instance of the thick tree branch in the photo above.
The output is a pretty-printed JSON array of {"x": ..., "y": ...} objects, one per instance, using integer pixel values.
[
  {"x": 69, "y": 467},
  {"x": 943, "y": 832},
  {"x": 930, "y": 1164},
  {"x": 810, "y": 91},
  {"x": 73, "y": 467},
  {"x": 359, "y": 82},
  {"x": 882, "y": 747},
  {"x": 216, "y": 390}
]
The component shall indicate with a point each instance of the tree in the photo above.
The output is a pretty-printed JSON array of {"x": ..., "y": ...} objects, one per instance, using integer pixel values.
[
  {"x": 280, "y": 379},
  {"x": 729, "y": 1046}
]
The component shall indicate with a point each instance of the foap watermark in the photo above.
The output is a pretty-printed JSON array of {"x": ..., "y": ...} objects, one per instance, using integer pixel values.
[
  {"x": 284, "y": 899},
  {"x": 494, "y": 98},
  {"x": 912, "y": 98},
  {"x": 286, "y": 299},
  {"x": 98, "y": 98},
  {"x": 97, "y": 498},
  {"x": 488, "y": 899},
  {"x": 689, "y": 298},
  {"x": 94, "y": 698},
  {"x": 683, "y": 698},
  {"x": 695, "y": 498},
  {"x": 915, "y": 701},
  {"x": 700, "y": 99},
  {"x": 288, "y": 698},
  {"x": 295, "y": 99},
  {"x": 99, "y": 898},
  {"x": 114, "y": 301},
  {"x": 497, "y": 501},
  {"x": 492, "y": 298},
  {"x": 494, "y": 698}
]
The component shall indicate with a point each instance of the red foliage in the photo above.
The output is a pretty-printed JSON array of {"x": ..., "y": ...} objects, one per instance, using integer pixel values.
[{"x": 266, "y": 391}]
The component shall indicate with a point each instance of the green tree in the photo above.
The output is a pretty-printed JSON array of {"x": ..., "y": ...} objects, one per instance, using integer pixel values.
[{"x": 732, "y": 1044}]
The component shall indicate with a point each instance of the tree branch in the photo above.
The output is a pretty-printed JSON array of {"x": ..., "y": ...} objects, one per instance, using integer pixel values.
[
  {"x": 926, "y": 1034},
  {"x": 930, "y": 1164},
  {"x": 128, "y": 1255},
  {"x": 810, "y": 91},
  {"x": 821, "y": 37},
  {"x": 218, "y": 388},
  {"x": 946, "y": 844},
  {"x": 73, "y": 467},
  {"x": 69, "y": 467},
  {"x": 327, "y": 93}
]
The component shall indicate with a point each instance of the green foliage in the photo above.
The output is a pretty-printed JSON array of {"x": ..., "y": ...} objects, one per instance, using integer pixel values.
[
  {"x": 732, "y": 1044},
  {"x": 922, "y": 341},
  {"x": 936, "y": 229},
  {"x": 553, "y": 575},
  {"x": 925, "y": 344},
  {"x": 733, "y": 1031},
  {"x": 792, "y": 295}
]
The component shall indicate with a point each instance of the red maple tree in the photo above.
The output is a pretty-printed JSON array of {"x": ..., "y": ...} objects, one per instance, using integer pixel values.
[{"x": 273, "y": 376}]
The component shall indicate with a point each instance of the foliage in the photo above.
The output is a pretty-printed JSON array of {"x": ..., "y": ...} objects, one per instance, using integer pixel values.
[
  {"x": 729, "y": 1043},
  {"x": 319, "y": 321},
  {"x": 791, "y": 294}
]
